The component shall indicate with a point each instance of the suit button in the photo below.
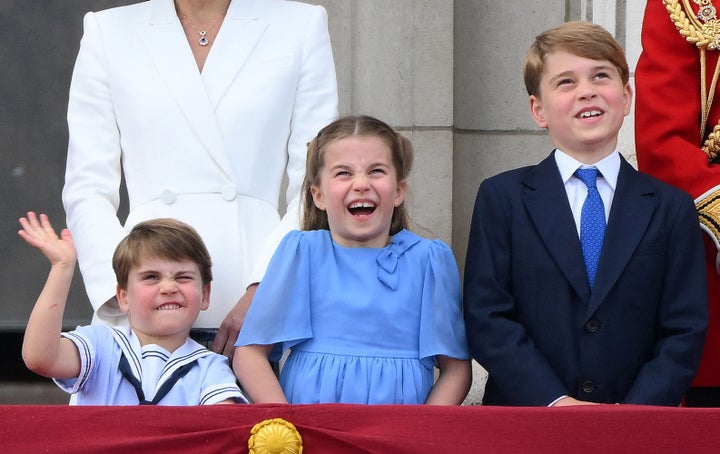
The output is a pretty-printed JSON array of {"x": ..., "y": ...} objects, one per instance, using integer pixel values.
[
  {"x": 588, "y": 386},
  {"x": 167, "y": 196},
  {"x": 228, "y": 193},
  {"x": 592, "y": 326}
]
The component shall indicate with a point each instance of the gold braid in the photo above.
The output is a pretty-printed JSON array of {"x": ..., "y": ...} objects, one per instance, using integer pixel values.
[
  {"x": 712, "y": 144},
  {"x": 705, "y": 36},
  {"x": 695, "y": 32}
]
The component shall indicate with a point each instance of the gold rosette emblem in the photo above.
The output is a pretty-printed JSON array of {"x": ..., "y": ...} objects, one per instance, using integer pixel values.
[{"x": 275, "y": 436}]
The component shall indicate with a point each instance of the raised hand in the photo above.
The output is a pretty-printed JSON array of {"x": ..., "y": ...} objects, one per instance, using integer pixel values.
[
  {"x": 38, "y": 232},
  {"x": 44, "y": 351}
]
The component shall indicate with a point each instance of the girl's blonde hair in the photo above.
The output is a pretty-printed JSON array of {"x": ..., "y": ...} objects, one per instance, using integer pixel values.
[{"x": 401, "y": 152}]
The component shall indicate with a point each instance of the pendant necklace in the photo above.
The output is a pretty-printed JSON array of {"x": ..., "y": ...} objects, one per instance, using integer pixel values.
[{"x": 203, "y": 40}]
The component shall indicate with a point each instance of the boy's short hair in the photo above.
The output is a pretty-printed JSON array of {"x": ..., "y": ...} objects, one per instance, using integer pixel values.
[
  {"x": 162, "y": 238},
  {"x": 580, "y": 38}
]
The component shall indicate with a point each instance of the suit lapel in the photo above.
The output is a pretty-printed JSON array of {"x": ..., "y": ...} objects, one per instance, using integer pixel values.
[
  {"x": 240, "y": 33},
  {"x": 170, "y": 52},
  {"x": 547, "y": 203},
  {"x": 630, "y": 214}
]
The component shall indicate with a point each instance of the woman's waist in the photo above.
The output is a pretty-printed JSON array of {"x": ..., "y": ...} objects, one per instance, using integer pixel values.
[{"x": 227, "y": 193}]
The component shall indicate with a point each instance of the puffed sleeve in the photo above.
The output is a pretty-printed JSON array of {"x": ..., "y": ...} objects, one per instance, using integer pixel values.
[
  {"x": 442, "y": 329},
  {"x": 280, "y": 311}
]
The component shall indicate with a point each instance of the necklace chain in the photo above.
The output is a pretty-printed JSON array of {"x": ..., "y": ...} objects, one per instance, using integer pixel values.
[{"x": 203, "y": 40}]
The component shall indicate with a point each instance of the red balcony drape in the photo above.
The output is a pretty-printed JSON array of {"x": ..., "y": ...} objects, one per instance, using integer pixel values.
[{"x": 341, "y": 428}]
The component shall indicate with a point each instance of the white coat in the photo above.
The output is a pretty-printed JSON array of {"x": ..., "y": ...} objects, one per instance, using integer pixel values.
[{"x": 210, "y": 148}]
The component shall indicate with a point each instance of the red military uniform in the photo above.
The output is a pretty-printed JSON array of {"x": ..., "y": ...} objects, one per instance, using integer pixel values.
[{"x": 677, "y": 129}]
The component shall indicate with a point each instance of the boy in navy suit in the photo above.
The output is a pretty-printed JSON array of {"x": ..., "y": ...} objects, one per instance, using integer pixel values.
[{"x": 558, "y": 320}]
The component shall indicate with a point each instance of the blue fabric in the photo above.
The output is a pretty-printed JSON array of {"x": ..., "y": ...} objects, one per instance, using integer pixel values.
[
  {"x": 364, "y": 325},
  {"x": 592, "y": 222}
]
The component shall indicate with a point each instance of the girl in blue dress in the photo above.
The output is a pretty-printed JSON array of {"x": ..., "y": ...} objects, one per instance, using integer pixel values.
[{"x": 366, "y": 307}]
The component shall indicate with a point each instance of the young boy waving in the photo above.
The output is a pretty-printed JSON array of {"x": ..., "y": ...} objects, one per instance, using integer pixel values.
[{"x": 163, "y": 271}]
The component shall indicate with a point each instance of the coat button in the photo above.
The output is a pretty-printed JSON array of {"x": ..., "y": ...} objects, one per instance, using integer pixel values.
[
  {"x": 588, "y": 386},
  {"x": 228, "y": 193},
  {"x": 592, "y": 326},
  {"x": 167, "y": 196}
]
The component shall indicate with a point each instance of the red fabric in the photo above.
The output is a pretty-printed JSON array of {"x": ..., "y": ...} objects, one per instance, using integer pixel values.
[
  {"x": 667, "y": 138},
  {"x": 338, "y": 428}
]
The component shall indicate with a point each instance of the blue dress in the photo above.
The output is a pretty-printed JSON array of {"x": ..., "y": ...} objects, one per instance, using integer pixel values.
[{"x": 363, "y": 324}]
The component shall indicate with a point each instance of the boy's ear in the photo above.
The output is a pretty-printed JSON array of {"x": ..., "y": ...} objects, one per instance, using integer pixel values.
[
  {"x": 317, "y": 197},
  {"x": 121, "y": 295},
  {"x": 537, "y": 111},
  {"x": 205, "y": 303},
  {"x": 627, "y": 94}
]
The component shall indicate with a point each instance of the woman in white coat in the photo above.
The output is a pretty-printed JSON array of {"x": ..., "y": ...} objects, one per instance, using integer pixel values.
[{"x": 205, "y": 107}]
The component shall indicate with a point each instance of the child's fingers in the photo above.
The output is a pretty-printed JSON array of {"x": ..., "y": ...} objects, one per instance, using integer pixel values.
[
  {"x": 33, "y": 220},
  {"x": 27, "y": 225},
  {"x": 35, "y": 230},
  {"x": 65, "y": 235},
  {"x": 30, "y": 238},
  {"x": 24, "y": 223},
  {"x": 46, "y": 225},
  {"x": 30, "y": 223},
  {"x": 25, "y": 236}
]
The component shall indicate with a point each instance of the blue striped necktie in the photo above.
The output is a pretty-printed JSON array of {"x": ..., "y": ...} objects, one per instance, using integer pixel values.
[{"x": 592, "y": 222}]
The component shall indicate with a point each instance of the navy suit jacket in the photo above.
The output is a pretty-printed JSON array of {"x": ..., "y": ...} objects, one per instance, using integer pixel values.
[{"x": 533, "y": 321}]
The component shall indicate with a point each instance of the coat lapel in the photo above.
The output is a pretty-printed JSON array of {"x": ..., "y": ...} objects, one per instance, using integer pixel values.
[
  {"x": 630, "y": 214},
  {"x": 547, "y": 203},
  {"x": 170, "y": 52},
  {"x": 240, "y": 33}
]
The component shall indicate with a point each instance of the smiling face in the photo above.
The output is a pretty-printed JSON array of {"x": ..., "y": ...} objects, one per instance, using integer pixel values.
[
  {"x": 359, "y": 190},
  {"x": 582, "y": 103},
  {"x": 163, "y": 299}
]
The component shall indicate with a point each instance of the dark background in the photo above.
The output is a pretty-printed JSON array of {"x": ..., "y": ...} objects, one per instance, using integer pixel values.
[{"x": 38, "y": 45}]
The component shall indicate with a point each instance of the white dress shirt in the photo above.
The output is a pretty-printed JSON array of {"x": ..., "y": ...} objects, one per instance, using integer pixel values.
[{"x": 609, "y": 168}]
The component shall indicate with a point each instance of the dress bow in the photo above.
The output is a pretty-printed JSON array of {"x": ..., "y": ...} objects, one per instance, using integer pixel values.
[{"x": 387, "y": 260}]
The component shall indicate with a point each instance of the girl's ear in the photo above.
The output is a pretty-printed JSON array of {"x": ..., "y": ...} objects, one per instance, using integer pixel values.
[
  {"x": 317, "y": 197},
  {"x": 400, "y": 192},
  {"x": 121, "y": 295}
]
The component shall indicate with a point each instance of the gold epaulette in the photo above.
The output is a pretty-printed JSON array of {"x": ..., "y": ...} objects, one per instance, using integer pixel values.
[
  {"x": 708, "y": 208},
  {"x": 701, "y": 29}
]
